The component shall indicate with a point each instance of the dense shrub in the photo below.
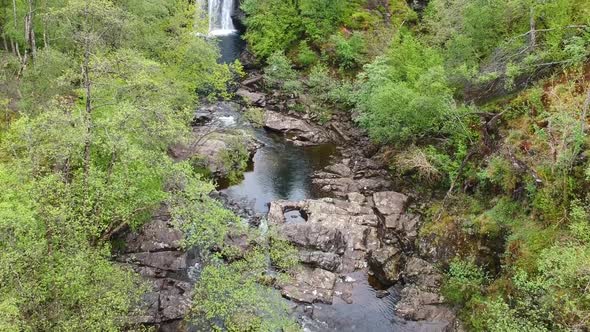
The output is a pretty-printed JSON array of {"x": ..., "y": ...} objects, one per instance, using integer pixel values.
[
  {"x": 347, "y": 52},
  {"x": 465, "y": 280},
  {"x": 279, "y": 74},
  {"x": 404, "y": 95}
]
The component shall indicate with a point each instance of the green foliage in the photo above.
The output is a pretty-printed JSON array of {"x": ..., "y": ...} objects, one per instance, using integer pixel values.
[
  {"x": 327, "y": 93},
  {"x": 580, "y": 221},
  {"x": 348, "y": 52},
  {"x": 51, "y": 75},
  {"x": 305, "y": 55},
  {"x": 52, "y": 278},
  {"x": 464, "y": 281},
  {"x": 496, "y": 34},
  {"x": 255, "y": 116},
  {"x": 247, "y": 305},
  {"x": 273, "y": 25},
  {"x": 82, "y": 161},
  {"x": 499, "y": 172},
  {"x": 321, "y": 17},
  {"x": 498, "y": 316},
  {"x": 280, "y": 26},
  {"x": 235, "y": 160},
  {"x": 282, "y": 254},
  {"x": 279, "y": 73},
  {"x": 203, "y": 220},
  {"x": 404, "y": 95}
]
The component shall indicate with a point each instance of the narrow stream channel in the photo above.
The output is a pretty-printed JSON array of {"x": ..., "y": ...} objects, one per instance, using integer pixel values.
[{"x": 280, "y": 170}]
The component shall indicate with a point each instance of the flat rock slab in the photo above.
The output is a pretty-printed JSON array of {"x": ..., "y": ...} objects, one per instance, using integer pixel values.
[
  {"x": 420, "y": 305},
  {"x": 252, "y": 98},
  {"x": 311, "y": 286},
  {"x": 157, "y": 235},
  {"x": 299, "y": 131},
  {"x": 390, "y": 203},
  {"x": 333, "y": 239}
]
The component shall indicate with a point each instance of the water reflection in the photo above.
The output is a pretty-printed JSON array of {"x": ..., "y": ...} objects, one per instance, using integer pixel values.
[
  {"x": 230, "y": 47},
  {"x": 279, "y": 170}
]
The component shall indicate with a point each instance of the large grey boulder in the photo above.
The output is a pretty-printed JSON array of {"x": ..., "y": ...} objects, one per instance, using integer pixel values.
[
  {"x": 420, "y": 305},
  {"x": 315, "y": 236},
  {"x": 310, "y": 286},
  {"x": 175, "y": 299},
  {"x": 157, "y": 235},
  {"x": 422, "y": 274},
  {"x": 252, "y": 98},
  {"x": 324, "y": 260},
  {"x": 387, "y": 264},
  {"x": 299, "y": 131},
  {"x": 211, "y": 146},
  {"x": 390, "y": 204}
]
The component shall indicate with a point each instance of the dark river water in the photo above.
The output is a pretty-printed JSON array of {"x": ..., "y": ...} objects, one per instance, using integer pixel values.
[
  {"x": 230, "y": 47},
  {"x": 279, "y": 170}
]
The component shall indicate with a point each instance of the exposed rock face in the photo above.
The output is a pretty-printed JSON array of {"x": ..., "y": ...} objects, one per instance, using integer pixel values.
[
  {"x": 357, "y": 174},
  {"x": 422, "y": 273},
  {"x": 334, "y": 238},
  {"x": 420, "y": 298},
  {"x": 339, "y": 237},
  {"x": 390, "y": 204},
  {"x": 311, "y": 285},
  {"x": 324, "y": 260},
  {"x": 299, "y": 131},
  {"x": 159, "y": 260},
  {"x": 397, "y": 225},
  {"x": 217, "y": 130},
  {"x": 252, "y": 98},
  {"x": 154, "y": 253},
  {"x": 386, "y": 263},
  {"x": 366, "y": 228},
  {"x": 417, "y": 305}
]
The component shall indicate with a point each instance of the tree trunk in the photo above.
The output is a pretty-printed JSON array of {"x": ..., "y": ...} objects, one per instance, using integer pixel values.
[
  {"x": 4, "y": 42},
  {"x": 16, "y": 46},
  {"x": 88, "y": 89},
  {"x": 30, "y": 31},
  {"x": 533, "y": 34},
  {"x": 45, "y": 38}
]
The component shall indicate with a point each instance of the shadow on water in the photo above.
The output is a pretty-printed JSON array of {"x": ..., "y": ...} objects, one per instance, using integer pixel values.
[
  {"x": 230, "y": 47},
  {"x": 279, "y": 170},
  {"x": 366, "y": 313}
]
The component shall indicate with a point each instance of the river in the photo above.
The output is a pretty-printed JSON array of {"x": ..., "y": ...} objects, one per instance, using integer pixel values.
[{"x": 280, "y": 170}]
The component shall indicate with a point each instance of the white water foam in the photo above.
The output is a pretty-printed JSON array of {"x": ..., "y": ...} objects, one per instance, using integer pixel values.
[
  {"x": 221, "y": 32},
  {"x": 220, "y": 21}
]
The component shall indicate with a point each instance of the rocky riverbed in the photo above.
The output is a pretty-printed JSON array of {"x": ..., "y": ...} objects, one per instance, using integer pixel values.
[{"x": 356, "y": 236}]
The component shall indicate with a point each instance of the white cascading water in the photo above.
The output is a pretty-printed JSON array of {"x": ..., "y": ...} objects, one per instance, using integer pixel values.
[{"x": 220, "y": 22}]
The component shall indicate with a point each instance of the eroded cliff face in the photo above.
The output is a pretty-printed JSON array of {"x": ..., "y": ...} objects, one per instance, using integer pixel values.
[{"x": 155, "y": 253}]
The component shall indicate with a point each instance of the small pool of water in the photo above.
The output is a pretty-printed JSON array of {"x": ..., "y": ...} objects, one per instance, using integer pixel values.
[
  {"x": 367, "y": 312},
  {"x": 230, "y": 46},
  {"x": 279, "y": 170}
]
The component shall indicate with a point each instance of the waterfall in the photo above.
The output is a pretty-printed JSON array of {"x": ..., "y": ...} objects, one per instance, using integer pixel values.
[{"x": 220, "y": 22}]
